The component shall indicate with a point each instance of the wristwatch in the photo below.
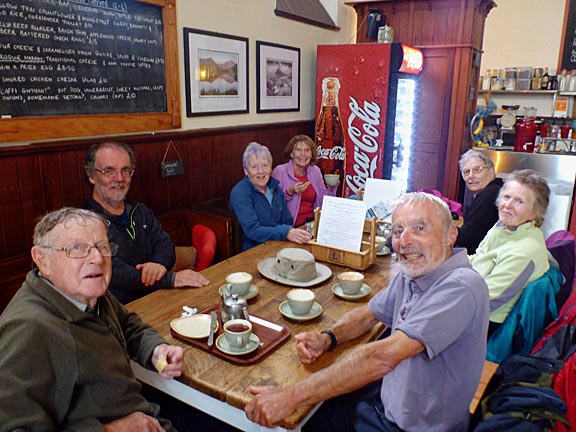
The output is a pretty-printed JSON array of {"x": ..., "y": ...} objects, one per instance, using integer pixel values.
[{"x": 333, "y": 340}]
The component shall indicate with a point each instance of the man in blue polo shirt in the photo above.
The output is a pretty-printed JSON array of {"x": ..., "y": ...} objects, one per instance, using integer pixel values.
[{"x": 430, "y": 365}]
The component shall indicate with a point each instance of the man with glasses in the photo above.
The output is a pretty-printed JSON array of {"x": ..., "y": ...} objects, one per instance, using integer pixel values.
[
  {"x": 66, "y": 343},
  {"x": 481, "y": 214},
  {"x": 146, "y": 252}
]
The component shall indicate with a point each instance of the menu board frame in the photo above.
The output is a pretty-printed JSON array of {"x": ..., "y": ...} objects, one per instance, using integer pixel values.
[
  {"x": 19, "y": 129},
  {"x": 567, "y": 58}
]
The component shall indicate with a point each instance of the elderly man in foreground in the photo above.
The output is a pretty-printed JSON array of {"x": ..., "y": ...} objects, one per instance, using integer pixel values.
[
  {"x": 66, "y": 342},
  {"x": 430, "y": 365}
]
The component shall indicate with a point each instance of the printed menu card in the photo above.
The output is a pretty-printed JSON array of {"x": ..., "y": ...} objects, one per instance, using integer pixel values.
[{"x": 342, "y": 223}]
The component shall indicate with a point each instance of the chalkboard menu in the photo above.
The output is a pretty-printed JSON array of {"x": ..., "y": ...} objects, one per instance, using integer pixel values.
[
  {"x": 569, "y": 42},
  {"x": 80, "y": 57}
]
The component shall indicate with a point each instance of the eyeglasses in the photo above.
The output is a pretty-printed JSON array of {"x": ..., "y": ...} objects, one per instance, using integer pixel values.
[
  {"x": 475, "y": 171},
  {"x": 109, "y": 172},
  {"x": 82, "y": 250}
]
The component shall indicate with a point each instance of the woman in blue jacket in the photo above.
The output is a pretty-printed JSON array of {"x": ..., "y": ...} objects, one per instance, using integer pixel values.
[{"x": 259, "y": 202}]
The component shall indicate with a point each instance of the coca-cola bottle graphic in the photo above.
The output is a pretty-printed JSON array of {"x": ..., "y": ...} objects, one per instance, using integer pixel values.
[{"x": 330, "y": 133}]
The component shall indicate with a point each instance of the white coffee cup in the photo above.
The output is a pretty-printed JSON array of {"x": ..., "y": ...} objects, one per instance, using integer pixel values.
[
  {"x": 331, "y": 179},
  {"x": 350, "y": 282},
  {"x": 380, "y": 242},
  {"x": 239, "y": 283},
  {"x": 237, "y": 332},
  {"x": 300, "y": 300}
]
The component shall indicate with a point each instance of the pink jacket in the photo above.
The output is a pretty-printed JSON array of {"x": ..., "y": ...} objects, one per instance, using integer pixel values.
[{"x": 284, "y": 173}]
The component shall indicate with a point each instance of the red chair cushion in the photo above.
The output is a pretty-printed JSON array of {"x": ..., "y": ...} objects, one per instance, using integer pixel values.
[{"x": 204, "y": 240}]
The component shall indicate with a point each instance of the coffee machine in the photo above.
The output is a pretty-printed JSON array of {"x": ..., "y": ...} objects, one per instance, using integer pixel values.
[{"x": 507, "y": 125}]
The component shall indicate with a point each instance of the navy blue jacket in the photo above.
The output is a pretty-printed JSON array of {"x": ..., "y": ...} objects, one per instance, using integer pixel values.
[
  {"x": 479, "y": 216},
  {"x": 259, "y": 220},
  {"x": 148, "y": 242}
]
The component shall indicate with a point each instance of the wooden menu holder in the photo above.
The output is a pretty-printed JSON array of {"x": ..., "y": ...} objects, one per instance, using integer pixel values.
[{"x": 346, "y": 258}]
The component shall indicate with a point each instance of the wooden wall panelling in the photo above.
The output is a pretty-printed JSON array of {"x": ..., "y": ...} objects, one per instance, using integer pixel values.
[
  {"x": 11, "y": 226},
  {"x": 207, "y": 177},
  {"x": 178, "y": 187},
  {"x": 430, "y": 131},
  {"x": 30, "y": 195},
  {"x": 72, "y": 176},
  {"x": 45, "y": 176}
]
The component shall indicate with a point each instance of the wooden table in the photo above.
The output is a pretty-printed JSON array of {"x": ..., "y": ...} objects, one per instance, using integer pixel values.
[{"x": 220, "y": 388}]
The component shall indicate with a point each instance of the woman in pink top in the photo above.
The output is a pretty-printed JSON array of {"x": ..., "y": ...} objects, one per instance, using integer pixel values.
[{"x": 301, "y": 180}]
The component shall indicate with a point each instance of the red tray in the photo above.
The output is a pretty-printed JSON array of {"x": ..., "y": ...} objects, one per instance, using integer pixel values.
[{"x": 271, "y": 337}]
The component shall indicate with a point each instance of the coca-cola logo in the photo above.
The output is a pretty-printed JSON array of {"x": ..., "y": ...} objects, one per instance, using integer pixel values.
[
  {"x": 364, "y": 136},
  {"x": 336, "y": 153}
]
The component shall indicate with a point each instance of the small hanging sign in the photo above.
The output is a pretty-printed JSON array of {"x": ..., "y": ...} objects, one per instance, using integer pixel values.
[{"x": 171, "y": 168}]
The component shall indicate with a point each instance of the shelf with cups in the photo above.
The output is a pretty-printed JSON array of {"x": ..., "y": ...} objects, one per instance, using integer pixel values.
[
  {"x": 549, "y": 103},
  {"x": 531, "y": 92},
  {"x": 558, "y": 145}
]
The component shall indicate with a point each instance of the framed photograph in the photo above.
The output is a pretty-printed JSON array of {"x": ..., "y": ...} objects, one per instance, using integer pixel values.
[
  {"x": 278, "y": 77},
  {"x": 216, "y": 69}
]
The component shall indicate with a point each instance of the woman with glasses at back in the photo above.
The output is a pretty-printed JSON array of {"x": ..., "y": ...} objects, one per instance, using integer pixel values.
[{"x": 481, "y": 214}]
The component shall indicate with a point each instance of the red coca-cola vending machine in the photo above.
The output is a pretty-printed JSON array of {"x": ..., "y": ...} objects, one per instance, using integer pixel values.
[{"x": 364, "y": 99}]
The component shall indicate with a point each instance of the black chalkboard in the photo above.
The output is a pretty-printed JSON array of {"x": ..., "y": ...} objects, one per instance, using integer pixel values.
[
  {"x": 569, "y": 41},
  {"x": 81, "y": 57}
]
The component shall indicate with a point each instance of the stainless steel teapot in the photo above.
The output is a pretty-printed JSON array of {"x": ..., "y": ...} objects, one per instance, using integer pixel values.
[{"x": 233, "y": 307}]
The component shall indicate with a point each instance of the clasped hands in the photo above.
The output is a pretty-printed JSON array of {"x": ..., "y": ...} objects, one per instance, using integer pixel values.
[
  {"x": 271, "y": 404},
  {"x": 153, "y": 272}
]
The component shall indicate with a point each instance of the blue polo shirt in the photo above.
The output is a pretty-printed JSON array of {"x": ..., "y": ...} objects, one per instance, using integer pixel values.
[{"x": 446, "y": 310}]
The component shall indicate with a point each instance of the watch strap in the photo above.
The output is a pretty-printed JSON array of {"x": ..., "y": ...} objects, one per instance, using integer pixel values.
[{"x": 333, "y": 340}]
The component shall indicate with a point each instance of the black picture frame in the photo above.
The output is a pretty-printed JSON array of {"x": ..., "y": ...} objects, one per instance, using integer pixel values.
[
  {"x": 216, "y": 73},
  {"x": 277, "y": 77}
]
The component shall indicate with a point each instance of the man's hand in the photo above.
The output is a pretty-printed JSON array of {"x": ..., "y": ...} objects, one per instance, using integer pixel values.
[
  {"x": 189, "y": 278},
  {"x": 270, "y": 405},
  {"x": 168, "y": 360},
  {"x": 310, "y": 346},
  {"x": 135, "y": 422},
  {"x": 298, "y": 235},
  {"x": 151, "y": 272}
]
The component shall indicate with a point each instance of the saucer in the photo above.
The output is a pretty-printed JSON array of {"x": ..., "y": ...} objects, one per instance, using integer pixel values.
[
  {"x": 252, "y": 291},
  {"x": 383, "y": 252},
  {"x": 264, "y": 266},
  {"x": 194, "y": 326},
  {"x": 286, "y": 310},
  {"x": 338, "y": 292},
  {"x": 223, "y": 345}
]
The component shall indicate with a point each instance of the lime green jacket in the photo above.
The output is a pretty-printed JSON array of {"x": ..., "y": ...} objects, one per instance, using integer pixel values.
[{"x": 509, "y": 261}]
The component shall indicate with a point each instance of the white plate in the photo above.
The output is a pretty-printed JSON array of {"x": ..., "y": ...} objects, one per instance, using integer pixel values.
[
  {"x": 383, "y": 252},
  {"x": 286, "y": 310},
  {"x": 223, "y": 345},
  {"x": 265, "y": 268},
  {"x": 339, "y": 292},
  {"x": 252, "y": 291},
  {"x": 195, "y": 326}
]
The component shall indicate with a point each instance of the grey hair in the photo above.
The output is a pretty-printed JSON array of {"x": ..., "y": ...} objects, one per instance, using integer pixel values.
[
  {"x": 256, "y": 150},
  {"x": 537, "y": 184},
  {"x": 475, "y": 154},
  {"x": 442, "y": 211},
  {"x": 54, "y": 218},
  {"x": 90, "y": 161}
]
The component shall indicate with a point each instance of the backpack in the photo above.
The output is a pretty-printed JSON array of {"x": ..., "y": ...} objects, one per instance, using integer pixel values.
[
  {"x": 520, "y": 397},
  {"x": 565, "y": 386},
  {"x": 560, "y": 335}
]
